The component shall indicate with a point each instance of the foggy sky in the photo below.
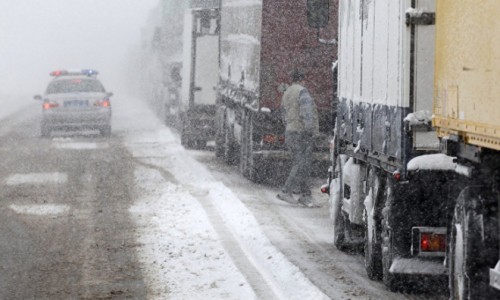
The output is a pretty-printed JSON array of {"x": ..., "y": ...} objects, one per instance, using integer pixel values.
[{"x": 38, "y": 36}]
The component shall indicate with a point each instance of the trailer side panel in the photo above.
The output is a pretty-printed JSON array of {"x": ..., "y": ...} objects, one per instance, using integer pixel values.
[{"x": 467, "y": 72}]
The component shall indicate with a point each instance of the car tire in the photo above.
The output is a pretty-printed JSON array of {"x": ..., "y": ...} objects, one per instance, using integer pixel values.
[
  {"x": 106, "y": 131},
  {"x": 44, "y": 131}
]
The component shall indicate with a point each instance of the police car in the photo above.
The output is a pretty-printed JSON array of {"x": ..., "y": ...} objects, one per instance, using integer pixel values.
[{"x": 75, "y": 100}]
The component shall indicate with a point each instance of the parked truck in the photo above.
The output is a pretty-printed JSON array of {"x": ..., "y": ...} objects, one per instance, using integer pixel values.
[
  {"x": 262, "y": 42},
  {"x": 467, "y": 119},
  {"x": 422, "y": 200},
  {"x": 161, "y": 60},
  {"x": 200, "y": 68},
  {"x": 383, "y": 196}
]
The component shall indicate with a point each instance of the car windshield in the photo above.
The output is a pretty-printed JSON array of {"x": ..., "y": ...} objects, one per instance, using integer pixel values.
[{"x": 75, "y": 85}]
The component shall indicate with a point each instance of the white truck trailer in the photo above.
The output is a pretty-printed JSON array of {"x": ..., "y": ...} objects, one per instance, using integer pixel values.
[
  {"x": 200, "y": 69},
  {"x": 383, "y": 195}
]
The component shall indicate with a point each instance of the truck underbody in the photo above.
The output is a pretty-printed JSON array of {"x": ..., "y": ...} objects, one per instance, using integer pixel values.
[
  {"x": 255, "y": 140},
  {"x": 198, "y": 126},
  {"x": 474, "y": 231},
  {"x": 383, "y": 212},
  {"x": 254, "y": 73}
]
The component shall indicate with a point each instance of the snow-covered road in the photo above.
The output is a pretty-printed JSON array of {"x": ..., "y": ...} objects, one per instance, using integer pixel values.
[
  {"x": 205, "y": 232},
  {"x": 199, "y": 239}
]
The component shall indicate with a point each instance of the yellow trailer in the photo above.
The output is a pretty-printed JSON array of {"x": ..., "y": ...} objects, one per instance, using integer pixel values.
[
  {"x": 466, "y": 117},
  {"x": 467, "y": 71}
]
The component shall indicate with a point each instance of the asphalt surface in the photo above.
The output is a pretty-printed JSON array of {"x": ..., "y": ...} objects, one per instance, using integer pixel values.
[{"x": 65, "y": 230}]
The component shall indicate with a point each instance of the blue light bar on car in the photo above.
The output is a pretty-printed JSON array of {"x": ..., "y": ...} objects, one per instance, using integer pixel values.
[{"x": 90, "y": 72}]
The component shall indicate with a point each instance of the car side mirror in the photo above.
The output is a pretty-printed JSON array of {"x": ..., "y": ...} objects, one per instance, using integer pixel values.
[{"x": 37, "y": 97}]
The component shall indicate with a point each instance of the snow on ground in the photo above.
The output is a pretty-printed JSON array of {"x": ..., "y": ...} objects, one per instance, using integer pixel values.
[
  {"x": 68, "y": 143},
  {"x": 182, "y": 253},
  {"x": 16, "y": 109},
  {"x": 40, "y": 209},
  {"x": 186, "y": 253},
  {"x": 37, "y": 178}
]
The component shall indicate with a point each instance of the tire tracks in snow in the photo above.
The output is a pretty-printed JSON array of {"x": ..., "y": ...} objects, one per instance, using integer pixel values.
[
  {"x": 337, "y": 274},
  {"x": 229, "y": 242},
  {"x": 231, "y": 245},
  {"x": 264, "y": 282}
]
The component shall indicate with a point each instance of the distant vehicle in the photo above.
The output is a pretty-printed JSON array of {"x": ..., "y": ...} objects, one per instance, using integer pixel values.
[
  {"x": 257, "y": 56},
  {"x": 200, "y": 69},
  {"x": 75, "y": 100}
]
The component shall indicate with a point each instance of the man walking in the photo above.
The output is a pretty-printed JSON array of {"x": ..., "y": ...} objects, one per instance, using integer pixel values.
[{"x": 301, "y": 117}]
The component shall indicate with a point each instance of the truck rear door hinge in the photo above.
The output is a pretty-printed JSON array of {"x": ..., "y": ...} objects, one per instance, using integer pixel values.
[{"x": 424, "y": 18}]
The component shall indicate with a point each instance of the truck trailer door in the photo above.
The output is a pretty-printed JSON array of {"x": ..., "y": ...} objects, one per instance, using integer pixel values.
[
  {"x": 202, "y": 45},
  {"x": 420, "y": 22}
]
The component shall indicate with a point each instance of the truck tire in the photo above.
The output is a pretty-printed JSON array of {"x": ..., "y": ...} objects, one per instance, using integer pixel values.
[
  {"x": 220, "y": 131},
  {"x": 336, "y": 215},
  {"x": 200, "y": 144},
  {"x": 470, "y": 256},
  {"x": 389, "y": 279},
  {"x": 230, "y": 155},
  {"x": 247, "y": 161},
  {"x": 339, "y": 239},
  {"x": 244, "y": 148},
  {"x": 372, "y": 246},
  {"x": 219, "y": 151},
  {"x": 186, "y": 139},
  {"x": 219, "y": 142}
]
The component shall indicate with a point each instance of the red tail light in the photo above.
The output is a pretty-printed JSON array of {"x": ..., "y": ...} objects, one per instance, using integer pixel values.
[
  {"x": 49, "y": 105},
  {"x": 58, "y": 73},
  {"x": 325, "y": 189},
  {"x": 272, "y": 139},
  {"x": 269, "y": 138},
  {"x": 396, "y": 175},
  {"x": 103, "y": 103},
  {"x": 432, "y": 242},
  {"x": 428, "y": 241}
]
